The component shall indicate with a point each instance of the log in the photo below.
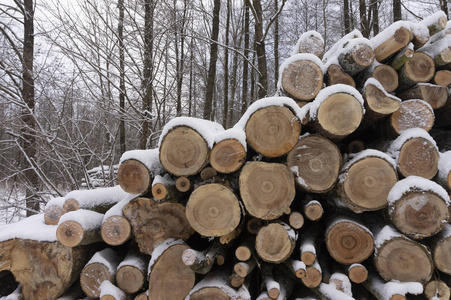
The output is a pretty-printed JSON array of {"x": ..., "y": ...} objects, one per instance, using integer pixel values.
[
  {"x": 420, "y": 34},
  {"x": 254, "y": 225},
  {"x": 418, "y": 207},
  {"x": 213, "y": 210},
  {"x": 307, "y": 248},
  {"x": 411, "y": 114},
  {"x": 142, "y": 296},
  {"x": 229, "y": 152},
  {"x": 267, "y": 189},
  {"x": 134, "y": 177},
  {"x": 416, "y": 153},
  {"x": 342, "y": 283},
  {"x": 152, "y": 223},
  {"x": 80, "y": 227},
  {"x": 366, "y": 180},
  {"x": 399, "y": 37},
  {"x": 236, "y": 280},
  {"x": 435, "y": 22},
  {"x": 272, "y": 286},
  {"x": 168, "y": 275},
  {"x": 437, "y": 290},
  {"x": 53, "y": 211},
  {"x": 313, "y": 209},
  {"x": 313, "y": 276},
  {"x": 244, "y": 251},
  {"x": 201, "y": 262},
  {"x": 391, "y": 290},
  {"x": 443, "y": 78},
  {"x": 163, "y": 189},
  {"x": 419, "y": 69},
  {"x": 301, "y": 76},
  {"x": 434, "y": 95},
  {"x": 348, "y": 241},
  {"x": 296, "y": 220},
  {"x": 400, "y": 258},
  {"x": 444, "y": 170},
  {"x": 109, "y": 291},
  {"x": 183, "y": 184},
  {"x": 275, "y": 242},
  {"x": 315, "y": 162},
  {"x": 357, "y": 273},
  {"x": 336, "y": 75},
  {"x": 402, "y": 57},
  {"x": 441, "y": 250},
  {"x": 116, "y": 229},
  {"x": 272, "y": 131},
  {"x": 440, "y": 51},
  {"x": 356, "y": 55},
  {"x": 310, "y": 42},
  {"x": 384, "y": 74},
  {"x": 244, "y": 268},
  {"x": 297, "y": 267},
  {"x": 132, "y": 272},
  {"x": 337, "y": 111}
]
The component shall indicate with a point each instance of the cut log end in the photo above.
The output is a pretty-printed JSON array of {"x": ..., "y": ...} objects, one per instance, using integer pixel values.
[
  {"x": 274, "y": 243},
  {"x": 442, "y": 255},
  {"x": 418, "y": 157},
  {"x": 358, "y": 273},
  {"x": 363, "y": 55},
  {"x": 313, "y": 45},
  {"x": 116, "y": 230},
  {"x": 296, "y": 220},
  {"x": 378, "y": 102},
  {"x": 227, "y": 156},
  {"x": 443, "y": 78},
  {"x": 420, "y": 68},
  {"x": 308, "y": 258},
  {"x": 412, "y": 114},
  {"x": 208, "y": 293},
  {"x": 335, "y": 75},
  {"x": 243, "y": 253},
  {"x": 53, "y": 214},
  {"x": 302, "y": 79},
  {"x": 437, "y": 289},
  {"x": 387, "y": 76},
  {"x": 159, "y": 191},
  {"x": 134, "y": 177},
  {"x": 313, "y": 277},
  {"x": 130, "y": 279},
  {"x": 183, "y": 184},
  {"x": 91, "y": 279},
  {"x": 70, "y": 233},
  {"x": 392, "y": 45},
  {"x": 70, "y": 205},
  {"x": 314, "y": 211}
]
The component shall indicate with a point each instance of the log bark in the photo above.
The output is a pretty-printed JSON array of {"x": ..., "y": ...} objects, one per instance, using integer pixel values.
[
  {"x": 228, "y": 156},
  {"x": 366, "y": 180},
  {"x": 356, "y": 58},
  {"x": 275, "y": 242},
  {"x": 385, "y": 74},
  {"x": 400, "y": 258},
  {"x": 168, "y": 275},
  {"x": 435, "y": 95},
  {"x": 116, "y": 230},
  {"x": 202, "y": 262},
  {"x": 411, "y": 114},
  {"x": 315, "y": 162},
  {"x": 131, "y": 273},
  {"x": 267, "y": 189},
  {"x": 336, "y": 75},
  {"x": 272, "y": 286},
  {"x": 444, "y": 170},
  {"x": 297, "y": 267},
  {"x": 80, "y": 227},
  {"x": 272, "y": 131},
  {"x": 401, "y": 58},
  {"x": 443, "y": 78},
  {"x": 183, "y": 151},
  {"x": 398, "y": 40},
  {"x": 419, "y": 69},
  {"x": 134, "y": 177},
  {"x": 153, "y": 223},
  {"x": 301, "y": 77}
]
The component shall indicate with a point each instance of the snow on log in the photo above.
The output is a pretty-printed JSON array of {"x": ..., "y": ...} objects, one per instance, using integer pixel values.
[
  {"x": 80, "y": 227},
  {"x": 402, "y": 57},
  {"x": 310, "y": 42},
  {"x": 434, "y": 95},
  {"x": 413, "y": 113},
  {"x": 440, "y": 51},
  {"x": 229, "y": 152},
  {"x": 357, "y": 273},
  {"x": 164, "y": 189},
  {"x": 436, "y": 289},
  {"x": 435, "y": 22},
  {"x": 355, "y": 55},
  {"x": 201, "y": 262},
  {"x": 392, "y": 290},
  {"x": 391, "y": 40},
  {"x": 444, "y": 170},
  {"x": 116, "y": 229},
  {"x": 109, "y": 291}
]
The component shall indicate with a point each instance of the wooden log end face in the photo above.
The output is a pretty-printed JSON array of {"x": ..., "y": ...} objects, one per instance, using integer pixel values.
[
  {"x": 368, "y": 183},
  {"x": 159, "y": 191},
  {"x": 130, "y": 279},
  {"x": 133, "y": 177},
  {"x": 377, "y": 101},
  {"x": 418, "y": 157},
  {"x": 183, "y": 184},
  {"x": 437, "y": 288},
  {"x": 349, "y": 243},
  {"x": 412, "y": 114},
  {"x": 70, "y": 234},
  {"x": 314, "y": 211},
  {"x": 213, "y": 210},
  {"x": 435, "y": 95},
  {"x": 308, "y": 258},
  {"x": 273, "y": 243},
  {"x": 296, "y": 220},
  {"x": 358, "y": 274},
  {"x": 116, "y": 230},
  {"x": 337, "y": 76},
  {"x": 315, "y": 162},
  {"x": 313, "y": 45},
  {"x": 420, "y": 214},
  {"x": 303, "y": 79},
  {"x": 312, "y": 277},
  {"x": 227, "y": 156},
  {"x": 183, "y": 151},
  {"x": 363, "y": 55},
  {"x": 273, "y": 131},
  {"x": 403, "y": 260},
  {"x": 209, "y": 293},
  {"x": 442, "y": 255},
  {"x": 92, "y": 277},
  {"x": 70, "y": 205},
  {"x": 387, "y": 76},
  {"x": 53, "y": 214},
  {"x": 243, "y": 253},
  {"x": 273, "y": 293},
  {"x": 267, "y": 189},
  {"x": 420, "y": 68}
]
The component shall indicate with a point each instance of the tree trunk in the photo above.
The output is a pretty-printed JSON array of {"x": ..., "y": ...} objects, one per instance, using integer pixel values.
[
  {"x": 276, "y": 45},
  {"x": 262, "y": 90},
  {"x": 226, "y": 70},
  {"x": 120, "y": 35},
  {"x": 346, "y": 18},
  {"x": 397, "y": 10},
  {"x": 245, "y": 92}
]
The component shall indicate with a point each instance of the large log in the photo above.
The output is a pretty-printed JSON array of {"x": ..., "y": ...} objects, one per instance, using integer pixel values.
[
  {"x": 213, "y": 210},
  {"x": 411, "y": 114},
  {"x": 275, "y": 242},
  {"x": 315, "y": 162},
  {"x": 153, "y": 223},
  {"x": 80, "y": 227},
  {"x": 366, "y": 180},
  {"x": 267, "y": 189},
  {"x": 434, "y": 95},
  {"x": 399, "y": 36},
  {"x": 168, "y": 275},
  {"x": 441, "y": 249},
  {"x": 229, "y": 152},
  {"x": 418, "y": 207},
  {"x": 419, "y": 69}
]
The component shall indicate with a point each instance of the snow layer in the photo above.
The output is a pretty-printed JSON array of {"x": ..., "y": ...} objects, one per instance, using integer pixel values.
[
  {"x": 346, "y": 283},
  {"x": 387, "y": 233},
  {"x": 339, "y": 44},
  {"x": 31, "y": 228},
  {"x": 116, "y": 210},
  {"x": 138, "y": 261},
  {"x": 91, "y": 198},
  {"x": 432, "y": 19},
  {"x": 300, "y": 113},
  {"x": 15, "y": 295},
  {"x": 207, "y": 129},
  {"x": 444, "y": 165},
  {"x": 368, "y": 153},
  {"x": 160, "y": 248},
  {"x": 107, "y": 288},
  {"x": 391, "y": 288},
  {"x": 435, "y": 48},
  {"x": 150, "y": 158},
  {"x": 406, "y": 135},
  {"x": 329, "y": 91},
  {"x": 305, "y": 38},
  {"x": 232, "y": 133},
  {"x": 58, "y": 201},
  {"x": 388, "y": 32},
  {"x": 416, "y": 183},
  {"x": 164, "y": 180},
  {"x": 88, "y": 219},
  {"x": 107, "y": 257},
  {"x": 330, "y": 291}
]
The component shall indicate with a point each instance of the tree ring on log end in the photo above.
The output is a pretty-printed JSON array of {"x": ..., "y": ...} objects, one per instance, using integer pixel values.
[
  {"x": 183, "y": 151},
  {"x": 348, "y": 242},
  {"x": 70, "y": 233},
  {"x": 133, "y": 177},
  {"x": 378, "y": 102},
  {"x": 273, "y": 243},
  {"x": 404, "y": 260},
  {"x": 91, "y": 279},
  {"x": 116, "y": 230},
  {"x": 302, "y": 79},
  {"x": 208, "y": 293},
  {"x": 418, "y": 157},
  {"x": 387, "y": 76},
  {"x": 213, "y": 210},
  {"x": 358, "y": 274},
  {"x": 437, "y": 288},
  {"x": 227, "y": 156},
  {"x": 129, "y": 279},
  {"x": 442, "y": 255},
  {"x": 420, "y": 68},
  {"x": 272, "y": 131},
  {"x": 70, "y": 205},
  {"x": 316, "y": 163},
  {"x": 412, "y": 114},
  {"x": 363, "y": 55}
]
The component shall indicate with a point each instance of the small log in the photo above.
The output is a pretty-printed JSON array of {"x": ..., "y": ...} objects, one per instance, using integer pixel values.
[
  {"x": 411, "y": 114},
  {"x": 330, "y": 292},
  {"x": 101, "y": 267},
  {"x": 444, "y": 170},
  {"x": 201, "y": 262},
  {"x": 434, "y": 95},
  {"x": 443, "y": 78},
  {"x": 437, "y": 290},
  {"x": 163, "y": 189},
  {"x": 419, "y": 69},
  {"x": 337, "y": 111},
  {"x": 384, "y": 74},
  {"x": 229, "y": 152},
  {"x": 441, "y": 250},
  {"x": 244, "y": 268},
  {"x": 301, "y": 76},
  {"x": 366, "y": 180},
  {"x": 213, "y": 210},
  {"x": 275, "y": 242},
  {"x": 399, "y": 37},
  {"x": 296, "y": 220},
  {"x": 435, "y": 22},
  {"x": 313, "y": 276},
  {"x": 208, "y": 173},
  {"x": 236, "y": 280},
  {"x": 142, "y": 296},
  {"x": 272, "y": 131},
  {"x": 215, "y": 286},
  {"x": 315, "y": 162},
  {"x": 391, "y": 290},
  {"x": 440, "y": 51},
  {"x": 54, "y": 211},
  {"x": 267, "y": 189},
  {"x": 348, "y": 241},
  {"x": 168, "y": 275},
  {"x": 310, "y": 42},
  {"x": 244, "y": 251},
  {"x": 183, "y": 184},
  {"x": 153, "y": 223},
  {"x": 400, "y": 258},
  {"x": 109, "y": 291},
  {"x": 357, "y": 273},
  {"x": 356, "y": 55},
  {"x": 132, "y": 272},
  {"x": 254, "y": 225},
  {"x": 418, "y": 207},
  {"x": 272, "y": 287},
  {"x": 402, "y": 57},
  {"x": 420, "y": 34},
  {"x": 297, "y": 267},
  {"x": 308, "y": 248},
  {"x": 356, "y": 146},
  {"x": 336, "y": 75},
  {"x": 80, "y": 227},
  {"x": 313, "y": 209},
  {"x": 416, "y": 153}
]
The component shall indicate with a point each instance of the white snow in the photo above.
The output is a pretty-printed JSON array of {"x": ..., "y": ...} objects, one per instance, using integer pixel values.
[
  {"x": 393, "y": 287},
  {"x": 232, "y": 133},
  {"x": 435, "y": 48},
  {"x": 305, "y": 39},
  {"x": 387, "y": 233},
  {"x": 160, "y": 248},
  {"x": 300, "y": 113},
  {"x": 107, "y": 257},
  {"x": 368, "y": 153},
  {"x": 272, "y": 284},
  {"x": 432, "y": 19},
  {"x": 31, "y": 228},
  {"x": 298, "y": 265},
  {"x": 91, "y": 198},
  {"x": 350, "y": 44},
  {"x": 207, "y": 129},
  {"x": 388, "y": 32},
  {"x": 308, "y": 246},
  {"x": 420, "y": 30},
  {"x": 138, "y": 261},
  {"x": 329, "y": 91},
  {"x": 107, "y": 288},
  {"x": 332, "y": 293},
  {"x": 406, "y": 135},
  {"x": 345, "y": 282},
  {"x": 444, "y": 165},
  {"x": 15, "y": 295},
  {"x": 150, "y": 158},
  {"x": 165, "y": 180},
  {"x": 58, "y": 201},
  {"x": 339, "y": 44},
  {"x": 416, "y": 183},
  {"x": 88, "y": 219},
  {"x": 445, "y": 233},
  {"x": 116, "y": 210}
]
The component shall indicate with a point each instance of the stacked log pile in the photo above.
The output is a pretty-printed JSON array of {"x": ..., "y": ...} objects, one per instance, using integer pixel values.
[{"x": 335, "y": 188}]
